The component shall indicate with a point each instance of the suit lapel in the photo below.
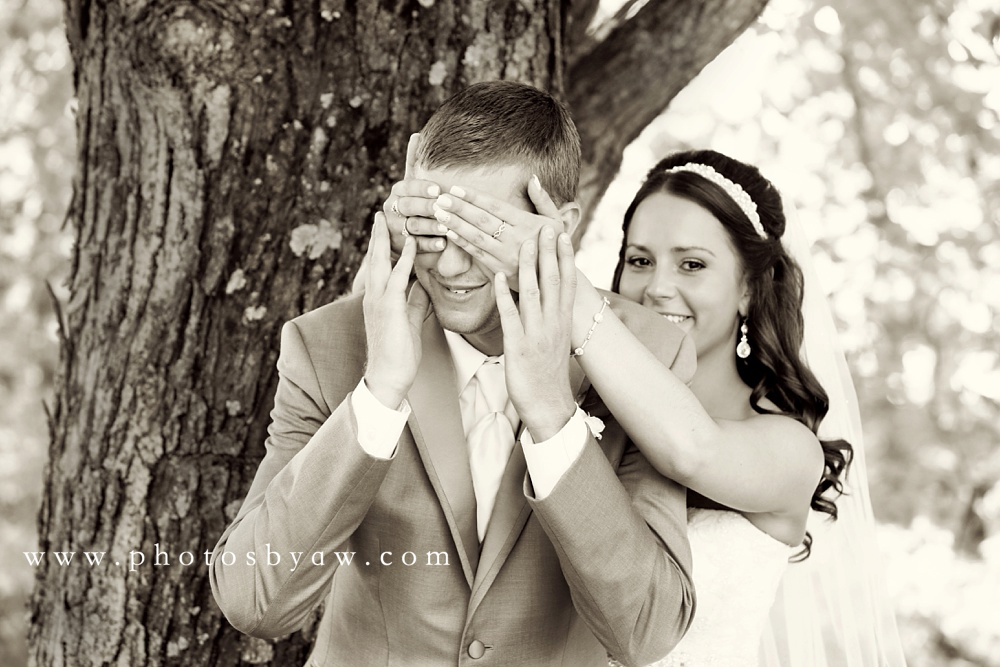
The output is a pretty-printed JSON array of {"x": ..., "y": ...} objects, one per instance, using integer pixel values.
[{"x": 436, "y": 424}]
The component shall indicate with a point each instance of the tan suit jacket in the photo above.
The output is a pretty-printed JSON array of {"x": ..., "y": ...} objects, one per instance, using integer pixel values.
[{"x": 603, "y": 561}]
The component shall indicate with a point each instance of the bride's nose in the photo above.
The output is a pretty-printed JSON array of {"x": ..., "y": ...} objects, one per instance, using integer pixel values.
[{"x": 662, "y": 284}]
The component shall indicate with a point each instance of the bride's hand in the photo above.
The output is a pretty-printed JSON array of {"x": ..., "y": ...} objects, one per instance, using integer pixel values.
[
  {"x": 409, "y": 208},
  {"x": 474, "y": 219}
]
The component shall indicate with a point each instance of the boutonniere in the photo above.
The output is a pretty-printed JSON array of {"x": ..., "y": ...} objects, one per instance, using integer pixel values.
[{"x": 595, "y": 425}]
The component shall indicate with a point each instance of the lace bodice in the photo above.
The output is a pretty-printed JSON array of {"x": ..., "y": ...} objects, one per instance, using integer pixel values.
[{"x": 737, "y": 568}]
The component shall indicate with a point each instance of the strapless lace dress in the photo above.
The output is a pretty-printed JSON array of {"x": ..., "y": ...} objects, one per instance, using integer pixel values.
[{"x": 737, "y": 569}]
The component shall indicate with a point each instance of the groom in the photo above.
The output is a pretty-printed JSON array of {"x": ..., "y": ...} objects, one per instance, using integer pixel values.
[{"x": 393, "y": 489}]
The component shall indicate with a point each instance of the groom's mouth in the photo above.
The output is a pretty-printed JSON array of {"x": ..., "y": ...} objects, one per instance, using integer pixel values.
[{"x": 459, "y": 292}]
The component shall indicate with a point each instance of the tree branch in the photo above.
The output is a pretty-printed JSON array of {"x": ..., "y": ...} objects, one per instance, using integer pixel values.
[
  {"x": 579, "y": 15},
  {"x": 626, "y": 80}
]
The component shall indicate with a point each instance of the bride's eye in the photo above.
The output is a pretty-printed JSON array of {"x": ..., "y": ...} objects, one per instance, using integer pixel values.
[
  {"x": 692, "y": 265},
  {"x": 638, "y": 261}
]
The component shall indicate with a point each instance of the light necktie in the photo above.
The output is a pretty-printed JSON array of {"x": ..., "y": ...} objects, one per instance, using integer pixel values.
[{"x": 491, "y": 439}]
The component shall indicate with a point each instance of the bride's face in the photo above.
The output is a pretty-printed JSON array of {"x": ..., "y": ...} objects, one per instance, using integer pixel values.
[{"x": 680, "y": 262}]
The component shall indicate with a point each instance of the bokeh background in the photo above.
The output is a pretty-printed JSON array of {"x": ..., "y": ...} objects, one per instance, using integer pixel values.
[{"x": 880, "y": 120}]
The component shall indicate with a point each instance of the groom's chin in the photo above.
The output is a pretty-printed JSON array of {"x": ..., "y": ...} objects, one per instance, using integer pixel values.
[
  {"x": 465, "y": 323},
  {"x": 473, "y": 315}
]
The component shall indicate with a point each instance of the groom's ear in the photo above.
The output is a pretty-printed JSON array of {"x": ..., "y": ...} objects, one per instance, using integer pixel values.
[{"x": 571, "y": 215}]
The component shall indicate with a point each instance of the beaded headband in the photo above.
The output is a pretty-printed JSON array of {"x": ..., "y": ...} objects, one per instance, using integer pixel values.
[{"x": 734, "y": 190}]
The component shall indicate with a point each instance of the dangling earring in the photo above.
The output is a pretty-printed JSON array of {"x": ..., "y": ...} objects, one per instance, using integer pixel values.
[{"x": 743, "y": 347}]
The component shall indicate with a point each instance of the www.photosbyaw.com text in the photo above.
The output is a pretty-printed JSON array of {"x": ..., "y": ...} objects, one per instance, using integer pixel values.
[{"x": 291, "y": 559}]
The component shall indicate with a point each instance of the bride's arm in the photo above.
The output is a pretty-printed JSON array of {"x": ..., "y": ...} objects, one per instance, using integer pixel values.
[
  {"x": 760, "y": 464},
  {"x": 764, "y": 464}
]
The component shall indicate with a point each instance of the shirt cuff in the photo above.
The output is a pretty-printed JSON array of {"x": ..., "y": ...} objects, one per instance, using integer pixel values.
[
  {"x": 379, "y": 427},
  {"x": 549, "y": 460}
]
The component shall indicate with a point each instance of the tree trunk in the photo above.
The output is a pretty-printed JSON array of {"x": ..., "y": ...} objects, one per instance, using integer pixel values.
[{"x": 230, "y": 158}]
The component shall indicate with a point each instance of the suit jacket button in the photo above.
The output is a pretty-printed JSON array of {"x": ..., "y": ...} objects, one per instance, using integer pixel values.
[{"x": 477, "y": 649}]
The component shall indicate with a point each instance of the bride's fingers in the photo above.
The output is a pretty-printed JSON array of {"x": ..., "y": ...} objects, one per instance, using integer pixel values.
[
  {"x": 420, "y": 226},
  {"x": 429, "y": 244},
  {"x": 401, "y": 227},
  {"x": 459, "y": 228},
  {"x": 482, "y": 211},
  {"x": 482, "y": 256},
  {"x": 540, "y": 198},
  {"x": 412, "y": 198}
]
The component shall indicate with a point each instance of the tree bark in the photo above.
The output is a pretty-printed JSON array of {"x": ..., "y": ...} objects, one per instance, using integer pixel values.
[
  {"x": 628, "y": 78},
  {"x": 230, "y": 156}
]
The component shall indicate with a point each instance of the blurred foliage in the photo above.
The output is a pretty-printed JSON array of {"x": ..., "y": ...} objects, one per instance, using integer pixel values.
[
  {"x": 880, "y": 120},
  {"x": 37, "y": 150}
]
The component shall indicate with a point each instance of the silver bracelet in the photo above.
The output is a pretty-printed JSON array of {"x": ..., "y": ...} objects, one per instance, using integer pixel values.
[{"x": 598, "y": 318}]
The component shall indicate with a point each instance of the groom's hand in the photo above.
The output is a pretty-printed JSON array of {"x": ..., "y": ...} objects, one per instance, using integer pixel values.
[
  {"x": 393, "y": 320},
  {"x": 536, "y": 333}
]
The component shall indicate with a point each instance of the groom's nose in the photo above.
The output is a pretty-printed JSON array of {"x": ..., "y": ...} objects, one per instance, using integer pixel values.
[{"x": 453, "y": 261}]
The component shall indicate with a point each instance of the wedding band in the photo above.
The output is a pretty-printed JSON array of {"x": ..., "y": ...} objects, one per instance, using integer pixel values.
[
  {"x": 499, "y": 231},
  {"x": 395, "y": 208},
  {"x": 406, "y": 232}
]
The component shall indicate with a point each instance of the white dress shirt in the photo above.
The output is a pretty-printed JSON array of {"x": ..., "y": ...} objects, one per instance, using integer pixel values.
[{"x": 380, "y": 426}]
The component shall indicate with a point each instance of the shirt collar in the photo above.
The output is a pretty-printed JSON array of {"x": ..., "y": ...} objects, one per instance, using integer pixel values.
[{"x": 466, "y": 358}]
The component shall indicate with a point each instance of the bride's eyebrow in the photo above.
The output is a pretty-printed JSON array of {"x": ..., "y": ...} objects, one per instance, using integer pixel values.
[{"x": 683, "y": 249}]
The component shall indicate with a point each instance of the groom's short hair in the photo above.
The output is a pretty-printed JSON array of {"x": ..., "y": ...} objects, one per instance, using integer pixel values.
[{"x": 505, "y": 123}]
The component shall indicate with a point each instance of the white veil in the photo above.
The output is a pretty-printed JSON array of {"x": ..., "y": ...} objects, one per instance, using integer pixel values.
[{"x": 831, "y": 610}]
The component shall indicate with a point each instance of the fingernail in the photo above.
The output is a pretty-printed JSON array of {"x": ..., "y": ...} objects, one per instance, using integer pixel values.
[
  {"x": 443, "y": 216},
  {"x": 452, "y": 235},
  {"x": 441, "y": 228},
  {"x": 548, "y": 232},
  {"x": 564, "y": 238},
  {"x": 439, "y": 244},
  {"x": 457, "y": 191},
  {"x": 444, "y": 201},
  {"x": 529, "y": 246},
  {"x": 535, "y": 181},
  {"x": 433, "y": 190},
  {"x": 502, "y": 277}
]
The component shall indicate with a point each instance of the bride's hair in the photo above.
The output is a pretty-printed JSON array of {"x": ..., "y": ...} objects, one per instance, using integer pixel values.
[{"x": 774, "y": 370}]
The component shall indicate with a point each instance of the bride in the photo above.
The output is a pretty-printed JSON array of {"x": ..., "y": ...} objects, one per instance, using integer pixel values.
[{"x": 705, "y": 244}]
